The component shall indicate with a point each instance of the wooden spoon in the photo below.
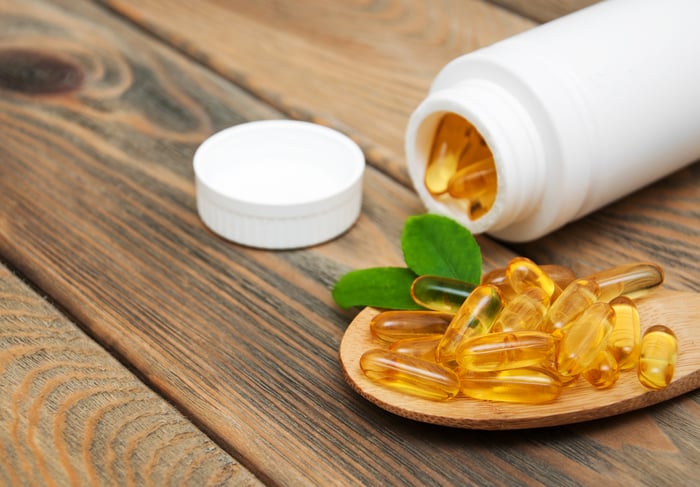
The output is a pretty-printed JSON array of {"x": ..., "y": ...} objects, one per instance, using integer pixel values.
[{"x": 680, "y": 311}]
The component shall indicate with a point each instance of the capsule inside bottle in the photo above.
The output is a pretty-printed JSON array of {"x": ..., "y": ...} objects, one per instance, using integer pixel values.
[
  {"x": 452, "y": 137},
  {"x": 475, "y": 182},
  {"x": 461, "y": 166}
]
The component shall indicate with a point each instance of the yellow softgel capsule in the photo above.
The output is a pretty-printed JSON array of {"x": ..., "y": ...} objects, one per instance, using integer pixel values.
[
  {"x": 561, "y": 275},
  {"x": 476, "y": 182},
  {"x": 627, "y": 279},
  {"x": 410, "y": 375},
  {"x": 499, "y": 351},
  {"x": 584, "y": 339},
  {"x": 658, "y": 356},
  {"x": 475, "y": 317},
  {"x": 603, "y": 371},
  {"x": 396, "y": 325},
  {"x": 523, "y": 273},
  {"x": 474, "y": 177},
  {"x": 624, "y": 342},
  {"x": 526, "y": 385},
  {"x": 475, "y": 150},
  {"x": 523, "y": 312},
  {"x": 440, "y": 293},
  {"x": 451, "y": 138},
  {"x": 421, "y": 347},
  {"x": 570, "y": 304},
  {"x": 497, "y": 277}
]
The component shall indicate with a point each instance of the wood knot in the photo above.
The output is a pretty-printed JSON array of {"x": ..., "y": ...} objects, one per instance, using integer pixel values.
[{"x": 36, "y": 72}]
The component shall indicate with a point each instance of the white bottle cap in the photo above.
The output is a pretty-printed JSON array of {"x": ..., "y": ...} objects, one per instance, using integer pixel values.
[{"x": 279, "y": 184}]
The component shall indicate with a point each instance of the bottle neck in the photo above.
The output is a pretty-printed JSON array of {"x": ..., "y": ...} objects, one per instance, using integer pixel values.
[{"x": 511, "y": 136}]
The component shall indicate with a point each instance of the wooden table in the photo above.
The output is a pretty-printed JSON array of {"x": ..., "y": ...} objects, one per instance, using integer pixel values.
[{"x": 136, "y": 347}]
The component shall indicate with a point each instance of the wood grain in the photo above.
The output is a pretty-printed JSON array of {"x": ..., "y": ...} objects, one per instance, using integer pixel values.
[
  {"x": 70, "y": 414},
  {"x": 97, "y": 210},
  {"x": 543, "y": 10},
  {"x": 361, "y": 67},
  {"x": 397, "y": 48}
]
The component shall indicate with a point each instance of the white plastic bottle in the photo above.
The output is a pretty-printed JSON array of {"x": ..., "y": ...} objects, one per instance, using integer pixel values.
[{"x": 577, "y": 112}]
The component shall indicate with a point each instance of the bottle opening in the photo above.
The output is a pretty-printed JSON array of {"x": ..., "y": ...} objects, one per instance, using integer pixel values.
[{"x": 460, "y": 170}]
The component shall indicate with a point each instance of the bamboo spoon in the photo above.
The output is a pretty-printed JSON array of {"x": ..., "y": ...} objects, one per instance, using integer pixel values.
[{"x": 680, "y": 311}]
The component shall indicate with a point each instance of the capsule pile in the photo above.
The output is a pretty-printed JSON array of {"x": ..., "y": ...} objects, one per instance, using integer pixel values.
[{"x": 522, "y": 335}]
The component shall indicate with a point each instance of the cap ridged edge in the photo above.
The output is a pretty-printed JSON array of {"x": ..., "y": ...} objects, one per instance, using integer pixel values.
[{"x": 280, "y": 233}]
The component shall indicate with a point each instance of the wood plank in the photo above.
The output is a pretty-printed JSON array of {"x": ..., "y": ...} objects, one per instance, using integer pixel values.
[
  {"x": 543, "y": 10},
  {"x": 70, "y": 414},
  {"x": 361, "y": 67},
  {"x": 97, "y": 208},
  {"x": 401, "y": 46}
]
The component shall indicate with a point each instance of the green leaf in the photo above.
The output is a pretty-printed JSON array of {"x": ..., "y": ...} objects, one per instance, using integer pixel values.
[
  {"x": 438, "y": 245},
  {"x": 382, "y": 287}
]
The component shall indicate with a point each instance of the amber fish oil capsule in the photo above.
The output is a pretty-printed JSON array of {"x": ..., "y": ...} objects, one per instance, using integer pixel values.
[
  {"x": 562, "y": 276},
  {"x": 421, "y": 347},
  {"x": 499, "y": 351},
  {"x": 461, "y": 164},
  {"x": 570, "y": 304},
  {"x": 497, "y": 277},
  {"x": 658, "y": 356},
  {"x": 523, "y": 273},
  {"x": 624, "y": 342},
  {"x": 473, "y": 177},
  {"x": 452, "y": 137},
  {"x": 526, "y": 385},
  {"x": 475, "y": 317},
  {"x": 523, "y": 312},
  {"x": 440, "y": 293},
  {"x": 627, "y": 279},
  {"x": 603, "y": 371},
  {"x": 476, "y": 182},
  {"x": 396, "y": 325},
  {"x": 410, "y": 375},
  {"x": 584, "y": 339}
]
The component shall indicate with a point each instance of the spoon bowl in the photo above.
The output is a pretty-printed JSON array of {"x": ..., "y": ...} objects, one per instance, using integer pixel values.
[{"x": 680, "y": 311}]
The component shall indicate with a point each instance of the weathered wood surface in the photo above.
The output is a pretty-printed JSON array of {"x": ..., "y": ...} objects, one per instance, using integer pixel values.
[
  {"x": 543, "y": 10},
  {"x": 359, "y": 66},
  {"x": 97, "y": 210},
  {"x": 70, "y": 414},
  {"x": 395, "y": 49}
]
